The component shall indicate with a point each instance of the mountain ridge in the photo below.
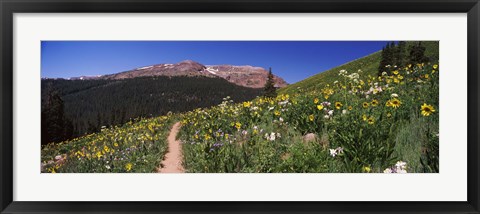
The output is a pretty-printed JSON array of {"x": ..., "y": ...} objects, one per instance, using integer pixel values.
[{"x": 242, "y": 75}]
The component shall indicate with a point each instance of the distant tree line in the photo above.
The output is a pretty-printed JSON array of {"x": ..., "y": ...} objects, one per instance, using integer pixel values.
[
  {"x": 400, "y": 55},
  {"x": 72, "y": 108}
]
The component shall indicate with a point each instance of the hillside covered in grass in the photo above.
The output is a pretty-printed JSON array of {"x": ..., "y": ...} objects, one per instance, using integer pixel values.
[{"x": 368, "y": 65}]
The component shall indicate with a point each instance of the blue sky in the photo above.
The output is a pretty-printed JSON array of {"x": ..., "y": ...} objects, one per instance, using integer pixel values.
[{"x": 291, "y": 60}]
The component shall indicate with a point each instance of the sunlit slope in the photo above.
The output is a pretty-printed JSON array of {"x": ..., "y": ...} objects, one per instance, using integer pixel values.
[{"x": 368, "y": 64}]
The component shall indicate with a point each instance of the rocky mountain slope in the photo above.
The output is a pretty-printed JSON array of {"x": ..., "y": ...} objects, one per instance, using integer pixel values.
[{"x": 248, "y": 76}]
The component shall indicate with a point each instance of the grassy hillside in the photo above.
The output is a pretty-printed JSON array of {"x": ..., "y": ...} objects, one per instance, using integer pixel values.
[
  {"x": 336, "y": 121},
  {"x": 368, "y": 65}
]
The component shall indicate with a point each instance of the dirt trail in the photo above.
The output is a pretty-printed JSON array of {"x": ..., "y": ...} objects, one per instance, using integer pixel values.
[{"x": 172, "y": 163}]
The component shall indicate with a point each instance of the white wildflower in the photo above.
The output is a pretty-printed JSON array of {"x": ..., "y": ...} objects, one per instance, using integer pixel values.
[
  {"x": 333, "y": 152},
  {"x": 388, "y": 170},
  {"x": 272, "y": 136},
  {"x": 339, "y": 150},
  {"x": 400, "y": 167},
  {"x": 401, "y": 164}
]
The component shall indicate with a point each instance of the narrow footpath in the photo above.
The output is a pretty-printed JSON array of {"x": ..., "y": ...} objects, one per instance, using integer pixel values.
[{"x": 172, "y": 163}]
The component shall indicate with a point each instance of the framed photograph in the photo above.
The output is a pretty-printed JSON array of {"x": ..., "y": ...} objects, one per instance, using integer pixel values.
[{"x": 239, "y": 106}]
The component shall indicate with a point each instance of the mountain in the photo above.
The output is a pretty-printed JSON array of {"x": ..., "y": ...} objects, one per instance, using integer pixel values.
[
  {"x": 368, "y": 66},
  {"x": 247, "y": 76}
]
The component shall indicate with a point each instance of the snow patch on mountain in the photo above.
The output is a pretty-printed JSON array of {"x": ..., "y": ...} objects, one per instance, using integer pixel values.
[
  {"x": 212, "y": 71},
  {"x": 143, "y": 68}
]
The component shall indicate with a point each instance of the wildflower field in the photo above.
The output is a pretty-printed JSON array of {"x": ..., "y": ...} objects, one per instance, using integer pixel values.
[
  {"x": 137, "y": 146},
  {"x": 355, "y": 124}
]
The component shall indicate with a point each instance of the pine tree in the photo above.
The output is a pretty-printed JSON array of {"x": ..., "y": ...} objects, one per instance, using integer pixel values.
[
  {"x": 417, "y": 54},
  {"x": 99, "y": 120},
  {"x": 269, "y": 89},
  {"x": 391, "y": 54},
  {"x": 387, "y": 58},
  {"x": 401, "y": 54},
  {"x": 68, "y": 129},
  {"x": 55, "y": 127},
  {"x": 383, "y": 63}
]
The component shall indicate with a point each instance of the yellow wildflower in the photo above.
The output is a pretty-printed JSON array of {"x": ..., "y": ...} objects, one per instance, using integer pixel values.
[
  {"x": 128, "y": 167},
  {"x": 338, "y": 105},
  {"x": 365, "y": 104},
  {"x": 98, "y": 154},
  {"x": 371, "y": 120},
  {"x": 394, "y": 103},
  {"x": 366, "y": 169},
  {"x": 238, "y": 125},
  {"x": 427, "y": 110}
]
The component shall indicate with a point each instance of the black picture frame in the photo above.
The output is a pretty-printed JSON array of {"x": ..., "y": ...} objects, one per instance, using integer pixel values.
[{"x": 9, "y": 7}]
